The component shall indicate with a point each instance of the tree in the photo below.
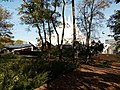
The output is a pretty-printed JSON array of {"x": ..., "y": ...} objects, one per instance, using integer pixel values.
[
  {"x": 4, "y": 40},
  {"x": 19, "y": 42},
  {"x": 114, "y": 24},
  {"x": 74, "y": 28},
  {"x": 29, "y": 15},
  {"x": 90, "y": 16},
  {"x": 63, "y": 17},
  {"x": 34, "y": 13},
  {"x": 37, "y": 13},
  {"x": 117, "y": 1},
  {"x": 54, "y": 16},
  {"x": 5, "y": 25}
]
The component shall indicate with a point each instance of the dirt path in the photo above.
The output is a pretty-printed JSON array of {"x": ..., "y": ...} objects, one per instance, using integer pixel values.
[{"x": 87, "y": 78}]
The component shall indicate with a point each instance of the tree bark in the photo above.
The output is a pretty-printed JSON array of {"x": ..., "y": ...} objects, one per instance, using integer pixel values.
[
  {"x": 39, "y": 32},
  {"x": 49, "y": 32},
  {"x": 63, "y": 16},
  {"x": 44, "y": 34},
  {"x": 74, "y": 28}
]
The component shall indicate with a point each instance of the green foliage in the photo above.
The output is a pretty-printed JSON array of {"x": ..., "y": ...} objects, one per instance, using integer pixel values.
[
  {"x": 54, "y": 51},
  {"x": 90, "y": 15},
  {"x": 117, "y": 1},
  {"x": 25, "y": 74},
  {"x": 114, "y": 24},
  {"x": 67, "y": 52},
  {"x": 22, "y": 74},
  {"x": 8, "y": 57},
  {"x": 5, "y": 25},
  {"x": 36, "y": 11},
  {"x": 19, "y": 42},
  {"x": 40, "y": 14},
  {"x": 4, "y": 40}
]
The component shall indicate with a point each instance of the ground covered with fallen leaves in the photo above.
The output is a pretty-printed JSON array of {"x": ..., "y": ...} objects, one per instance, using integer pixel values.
[{"x": 90, "y": 76}]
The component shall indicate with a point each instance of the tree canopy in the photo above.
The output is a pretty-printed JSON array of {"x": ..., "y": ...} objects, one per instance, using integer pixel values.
[
  {"x": 4, "y": 40},
  {"x": 114, "y": 24},
  {"x": 19, "y": 42},
  {"x": 41, "y": 14},
  {"x": 90, "y": 17},
  {"x": 5, "y": 24},
  {"x": 117, "y": 1}
]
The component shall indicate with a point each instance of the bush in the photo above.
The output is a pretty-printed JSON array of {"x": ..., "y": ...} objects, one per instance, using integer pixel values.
[
  {"x": 30, "y": 73},
  {"x": 59, "y": 67},
  {"x": 22, "y": 74},
  {"x": 67, "y": 51}
]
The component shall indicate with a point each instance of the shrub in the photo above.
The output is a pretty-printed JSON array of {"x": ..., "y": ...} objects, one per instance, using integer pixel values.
[{"x": 30, "y": 73}]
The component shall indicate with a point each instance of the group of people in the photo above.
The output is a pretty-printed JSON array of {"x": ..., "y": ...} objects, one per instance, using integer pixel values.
[{"x": 94, "y": 48}]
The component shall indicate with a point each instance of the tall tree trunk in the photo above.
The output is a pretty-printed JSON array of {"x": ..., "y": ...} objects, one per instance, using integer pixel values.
[
  {"x": 57, "y": 37},
  {"x": 63, "y": 16},
  {"x": 74, "y": 28},
  {"x": 88, "y": 57},
  {"x": 39, "y": 32},
  {"x": 44, "y": 34},
  {"x": 56, "y": 32},
  {"x": 49, "y": 32},
  {"x": 49, "y": 46},
  {"x": 54, "y": 26},
  {"x": 87, "y": 49},
  {"x": 53, "y": 23}
]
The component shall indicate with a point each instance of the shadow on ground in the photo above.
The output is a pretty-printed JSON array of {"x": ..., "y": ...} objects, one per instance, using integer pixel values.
[{"x": 86, "y": 78}]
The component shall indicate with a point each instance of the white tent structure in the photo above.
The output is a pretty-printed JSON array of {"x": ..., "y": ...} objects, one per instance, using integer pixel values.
[
  {"x": 68, "y": 33},
  {"x": 107, "y": 49}
]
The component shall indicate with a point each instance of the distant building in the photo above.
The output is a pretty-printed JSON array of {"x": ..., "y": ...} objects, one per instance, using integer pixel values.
[
  {"x": 17, "y": 48},
  {"x": 110, "y": 41}
]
